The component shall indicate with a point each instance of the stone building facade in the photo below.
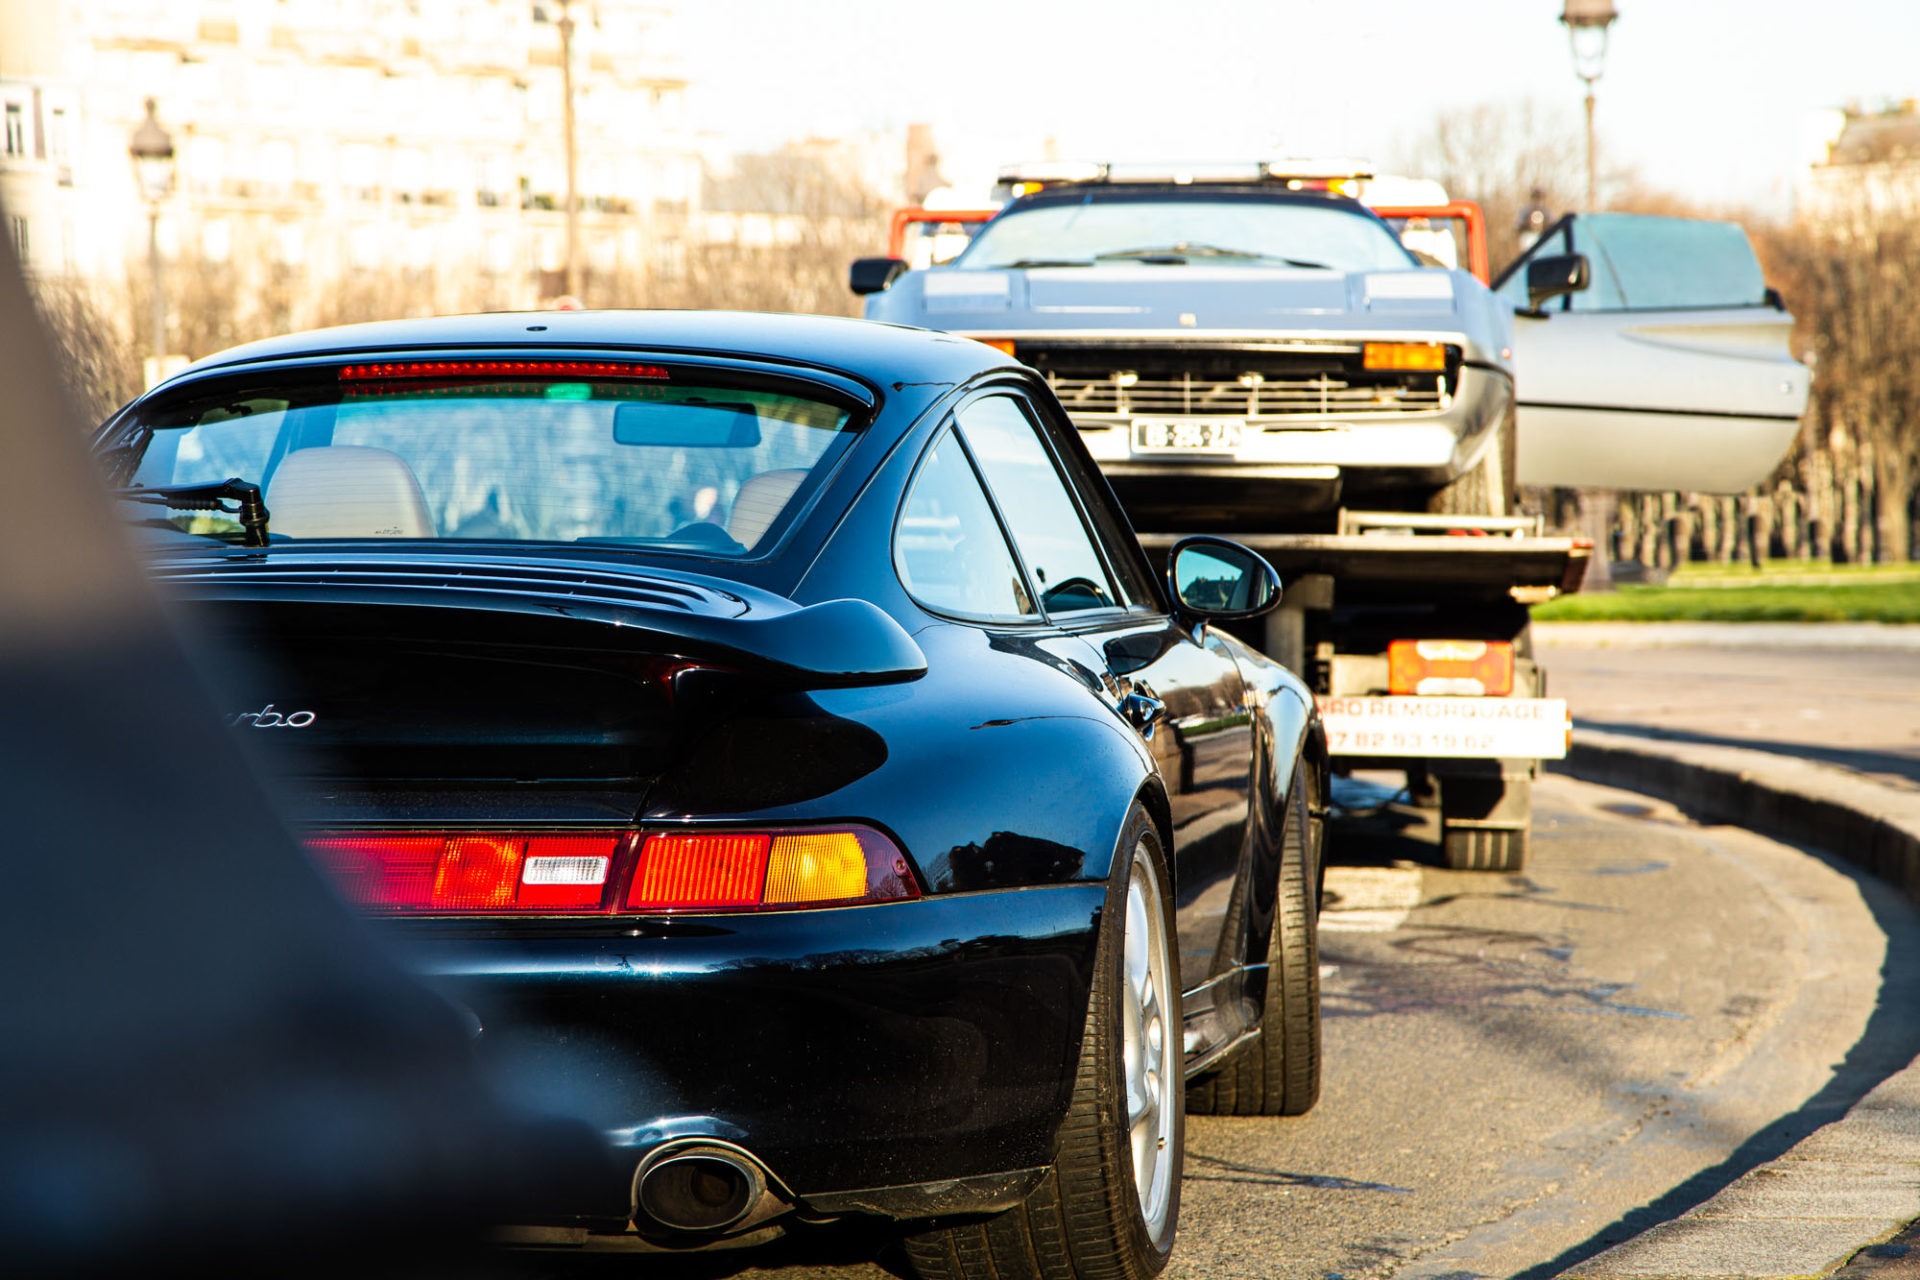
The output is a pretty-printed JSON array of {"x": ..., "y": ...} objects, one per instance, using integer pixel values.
[{"x": 321, "y": 143}]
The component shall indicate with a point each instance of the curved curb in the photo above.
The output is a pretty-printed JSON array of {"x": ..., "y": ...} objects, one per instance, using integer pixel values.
[{"x": 1855, "y": 1183}]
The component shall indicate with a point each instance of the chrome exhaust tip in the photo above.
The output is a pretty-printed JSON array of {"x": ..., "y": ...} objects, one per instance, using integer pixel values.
[{"x": 703, "y": 1188}]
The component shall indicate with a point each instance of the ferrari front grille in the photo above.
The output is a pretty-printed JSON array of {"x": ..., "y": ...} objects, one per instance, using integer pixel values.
[
  {"x": 1251, "y": 380},
  {"x": 1125, "y": 392}
]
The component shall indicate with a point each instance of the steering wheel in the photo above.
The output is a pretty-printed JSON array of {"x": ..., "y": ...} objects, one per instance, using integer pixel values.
[{"x": 1060, "y": 595}]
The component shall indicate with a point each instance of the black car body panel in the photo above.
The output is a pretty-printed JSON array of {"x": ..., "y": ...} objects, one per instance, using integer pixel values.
[
  {"x": 889, "y": 1045},
  {"x": 869, "y": 1055}
]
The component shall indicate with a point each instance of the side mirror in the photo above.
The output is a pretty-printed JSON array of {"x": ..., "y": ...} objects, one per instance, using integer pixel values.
[
  {"x": 1554, "y": 277},
  {"x": 1216, "y": 580},
  {"x": 872, "y": 275}
]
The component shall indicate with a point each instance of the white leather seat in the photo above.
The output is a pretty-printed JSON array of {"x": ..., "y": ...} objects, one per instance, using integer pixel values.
[
  {"x": 759, "y": 503},
  {"x": 347, "y": 491}
]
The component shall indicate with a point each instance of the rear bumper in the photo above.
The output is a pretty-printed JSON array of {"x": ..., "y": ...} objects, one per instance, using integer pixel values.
[{"x": 864, "y": 1055}]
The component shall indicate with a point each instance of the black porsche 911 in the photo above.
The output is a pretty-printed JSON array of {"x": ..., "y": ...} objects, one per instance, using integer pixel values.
[{"x": 770, "y": 731}]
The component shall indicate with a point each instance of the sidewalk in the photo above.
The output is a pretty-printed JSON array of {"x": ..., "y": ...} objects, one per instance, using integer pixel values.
[{"x": 1714, "y": 722}]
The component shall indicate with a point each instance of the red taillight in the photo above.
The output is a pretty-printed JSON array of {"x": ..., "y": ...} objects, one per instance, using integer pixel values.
[
  {"x": 391, "y": 370},
  {"x": 471, "y": 872},
  {"x": 478, "y": 873},
  {"x": 554, "y": 873},
  {"x": 1459, "y": 668},
  {"x": 718, "y": 870}
]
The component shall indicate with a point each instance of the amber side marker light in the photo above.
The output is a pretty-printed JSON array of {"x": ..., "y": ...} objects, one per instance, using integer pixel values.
[
  {"x": 610, "y": 872},
  {"x": 1404, "y": 357},
  {"x": 1458, "y": 668},
  {"x": 1004, "y": 346}
]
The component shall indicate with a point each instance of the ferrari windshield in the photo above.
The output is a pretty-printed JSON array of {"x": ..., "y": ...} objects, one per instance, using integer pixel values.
[
  {"x": 530, "y": 450},
  {"x": 1230, "y": 230}
]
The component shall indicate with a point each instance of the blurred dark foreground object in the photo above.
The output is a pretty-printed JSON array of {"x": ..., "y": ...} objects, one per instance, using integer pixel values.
[{"x": 206, "y": 1065}]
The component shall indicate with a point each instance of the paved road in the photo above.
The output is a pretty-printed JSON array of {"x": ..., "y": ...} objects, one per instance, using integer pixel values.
[
  {"x": 1516, "y": 1065},
  {"x": 1769, "y": 689}
]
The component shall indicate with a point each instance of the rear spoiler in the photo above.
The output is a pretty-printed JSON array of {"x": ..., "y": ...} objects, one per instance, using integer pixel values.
[{"x": 831, "y": 644}]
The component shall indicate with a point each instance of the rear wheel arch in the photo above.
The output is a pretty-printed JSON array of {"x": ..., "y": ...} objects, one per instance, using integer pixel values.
[
  {"x": 1152, "y": 797},
  {"x": 1108, "y": 1207}
]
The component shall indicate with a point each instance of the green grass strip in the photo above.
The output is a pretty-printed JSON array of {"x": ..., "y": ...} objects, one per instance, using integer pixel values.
[{"x": 1880, "y": 599}]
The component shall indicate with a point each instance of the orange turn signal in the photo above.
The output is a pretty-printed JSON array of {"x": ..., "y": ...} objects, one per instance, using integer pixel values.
[
  {"x": 827, "y": 867},
  {"x": 1003, "y": 345},
  {"x": 1405, "y": 357}
]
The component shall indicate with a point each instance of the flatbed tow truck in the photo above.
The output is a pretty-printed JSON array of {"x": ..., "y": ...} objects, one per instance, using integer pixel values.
[
  {"x": 1413, "y": 631},
  {"x": 1411, "y": 626}
]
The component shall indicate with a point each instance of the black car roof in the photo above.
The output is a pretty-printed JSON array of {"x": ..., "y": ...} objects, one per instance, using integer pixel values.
[{"x": 878, "y": 353}]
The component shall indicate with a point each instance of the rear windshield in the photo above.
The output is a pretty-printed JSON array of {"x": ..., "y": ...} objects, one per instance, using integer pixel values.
[
  {"x": 1115, "y": 227},
  {"x": 577, "y": 452}
]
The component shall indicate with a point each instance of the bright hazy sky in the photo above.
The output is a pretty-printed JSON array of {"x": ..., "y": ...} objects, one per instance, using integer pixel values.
[{"x": 1706, "y": 97}]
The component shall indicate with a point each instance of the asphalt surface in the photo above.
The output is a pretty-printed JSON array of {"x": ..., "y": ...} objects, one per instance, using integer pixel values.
[
  {"x": 1523, "y": 1064},
  {"x": 1855, "y": 704},
  {"x": 1806, "y": 732}
]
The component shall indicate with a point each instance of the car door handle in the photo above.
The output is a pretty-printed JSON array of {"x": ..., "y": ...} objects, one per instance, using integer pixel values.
[{"x": 1143, "y": 712}]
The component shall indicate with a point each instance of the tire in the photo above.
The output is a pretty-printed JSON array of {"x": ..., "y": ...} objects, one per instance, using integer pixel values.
[
  {"x": 1485, "y": 490},
  {"x": 1109, "y": 1206},
  {"x": 1423, "y": 789},
  {"x": 1468, "y": 839},
  {"x": 1279, "y": 1074}
]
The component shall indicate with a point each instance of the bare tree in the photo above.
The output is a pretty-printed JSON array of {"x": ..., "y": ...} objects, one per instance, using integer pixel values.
[
  {"x": 796, "y": 217},
  {"x": 1848, "y": 278},
  {"x": 1499, "y": 154},
  {"x": 98, "y": 363}
]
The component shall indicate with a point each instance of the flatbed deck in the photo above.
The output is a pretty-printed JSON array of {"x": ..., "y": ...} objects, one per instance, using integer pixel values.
[{"x": 1412, "y": 552}]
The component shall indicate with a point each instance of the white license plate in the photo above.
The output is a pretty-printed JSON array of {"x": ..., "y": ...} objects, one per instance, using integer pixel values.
[
  {"x": 1187, "y": 435},
  {"x": 1457, "y": 728}
]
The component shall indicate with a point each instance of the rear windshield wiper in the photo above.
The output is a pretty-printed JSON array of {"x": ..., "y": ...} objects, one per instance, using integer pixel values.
[
  {"x": 251, "y": 508},
  {"x": 1028, "y": 264}
]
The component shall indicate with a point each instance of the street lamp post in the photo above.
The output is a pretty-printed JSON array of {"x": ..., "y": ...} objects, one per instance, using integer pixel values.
[
  {"x": 572, "y": 289},
  {"x": 1587, "y": 22},
  {"x": 1533, "y": 219},
  {"x": 152, "y": 150}
]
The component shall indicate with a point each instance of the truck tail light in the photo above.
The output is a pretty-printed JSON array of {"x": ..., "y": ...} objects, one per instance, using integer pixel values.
[
  {"x": 1459, "y": 668},
  {"x": 608, "y": 872}
]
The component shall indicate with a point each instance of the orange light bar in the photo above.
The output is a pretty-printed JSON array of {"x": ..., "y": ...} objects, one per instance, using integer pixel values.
[
  {"x": 1405, "y": 357},
  {"x": 1456, "y": 668}
]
